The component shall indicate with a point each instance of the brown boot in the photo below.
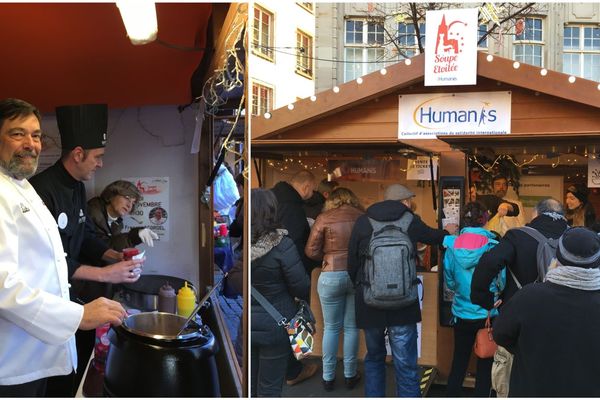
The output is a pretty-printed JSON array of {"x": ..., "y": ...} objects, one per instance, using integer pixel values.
[{"x": 308, "y": 370}]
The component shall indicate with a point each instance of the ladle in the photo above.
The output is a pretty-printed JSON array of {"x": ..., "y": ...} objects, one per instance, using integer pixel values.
[{"x": 200, "y": 305}]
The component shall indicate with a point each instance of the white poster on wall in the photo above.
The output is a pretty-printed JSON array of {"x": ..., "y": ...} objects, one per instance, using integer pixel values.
[
  {"x": 419, "y": 169},
  {"x": 152, "y": 211},
  {"x": 451, "y": 47},
  {"x": 425, "y": 116},
  {"x": 593, "y": 172},
  {"x": 534, "y": 188}
]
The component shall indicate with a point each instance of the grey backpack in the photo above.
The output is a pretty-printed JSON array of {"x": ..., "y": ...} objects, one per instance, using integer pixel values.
[
  {"x": 545, "y": 253},
  {"x": 390, "y": 273}
]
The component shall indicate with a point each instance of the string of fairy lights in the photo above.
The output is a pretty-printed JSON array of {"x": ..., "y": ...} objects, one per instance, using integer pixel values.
[{"x": 292, "y": 164}]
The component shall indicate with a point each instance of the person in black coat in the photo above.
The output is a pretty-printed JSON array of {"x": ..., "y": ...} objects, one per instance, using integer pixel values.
[
  {"x": 517, "y": 250},
  {"x": 290, "y": 200},
  {"x": 82, "y": 131},
  {"x": 552, "y": 328},
  {"x": 401, "y": 324},
  {"x": 278, "y": 274}
]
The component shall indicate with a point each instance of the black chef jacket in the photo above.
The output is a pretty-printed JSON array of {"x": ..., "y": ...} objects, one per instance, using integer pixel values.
[{"x": 65, "y": 198}]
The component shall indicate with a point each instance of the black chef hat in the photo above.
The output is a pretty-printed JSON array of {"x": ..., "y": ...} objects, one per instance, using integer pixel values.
[{"x": 82, "y": 125}]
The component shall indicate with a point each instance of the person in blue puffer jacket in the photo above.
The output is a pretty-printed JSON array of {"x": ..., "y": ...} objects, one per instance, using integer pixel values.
[{"x": 461, "y": 256}]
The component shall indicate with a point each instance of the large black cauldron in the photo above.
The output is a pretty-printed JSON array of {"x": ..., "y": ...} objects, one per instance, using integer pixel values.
[{"x": 146, "y": 359}]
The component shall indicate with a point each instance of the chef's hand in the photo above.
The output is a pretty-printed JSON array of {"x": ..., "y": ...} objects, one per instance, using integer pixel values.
[
  {"x": 503, "y": 209},
  {"x": 147, "y": 236},
  {"x": 123, "y": 272},
  {"x": 100, "y": 312}
]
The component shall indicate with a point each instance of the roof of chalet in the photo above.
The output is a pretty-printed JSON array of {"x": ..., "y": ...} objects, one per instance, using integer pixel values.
[{"x": 410, "y": 72}]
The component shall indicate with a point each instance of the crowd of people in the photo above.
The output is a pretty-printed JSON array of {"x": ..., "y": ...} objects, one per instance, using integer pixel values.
[{"x": 542, "y": 325}]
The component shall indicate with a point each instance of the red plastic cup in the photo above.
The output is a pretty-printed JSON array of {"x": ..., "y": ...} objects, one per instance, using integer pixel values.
[{"x": 129, "y": 252}]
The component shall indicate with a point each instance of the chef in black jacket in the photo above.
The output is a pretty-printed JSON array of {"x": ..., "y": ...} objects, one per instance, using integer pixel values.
[{"x": 83, "y": 137}]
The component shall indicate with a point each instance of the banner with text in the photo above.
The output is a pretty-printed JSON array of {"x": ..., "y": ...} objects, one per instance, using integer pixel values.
[
  {"x": 451, "y": 47},
  {"x": 425, "y": 116}
]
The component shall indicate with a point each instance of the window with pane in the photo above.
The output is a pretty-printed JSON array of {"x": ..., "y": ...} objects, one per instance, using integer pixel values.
[
  {"x": 262, "y": 99},
  {"x": 304, "y": 54},
  {"x": 581, "y": 51},
  {"x": 528, "y": 45},
  {"x": 262, "y": 35},
  {"x": 481, "y": 31},
  {"x": 363, "y": 51},
  {"x": 407, "y": 38}
]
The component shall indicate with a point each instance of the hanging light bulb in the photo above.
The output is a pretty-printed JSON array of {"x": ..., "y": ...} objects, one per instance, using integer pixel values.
[
  {"x": 543, "y": 72},
  {"x": 336, "y": 89},
  {"x": 139, "y": 18},
  {"x": 490, "y": 58}
]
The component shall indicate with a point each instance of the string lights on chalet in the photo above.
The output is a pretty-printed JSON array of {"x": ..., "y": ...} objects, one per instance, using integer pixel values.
[{"x": 408, "y": 62}]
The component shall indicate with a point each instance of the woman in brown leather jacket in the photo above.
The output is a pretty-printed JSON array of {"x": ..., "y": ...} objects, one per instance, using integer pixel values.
[{"x": 328, "y": 241}]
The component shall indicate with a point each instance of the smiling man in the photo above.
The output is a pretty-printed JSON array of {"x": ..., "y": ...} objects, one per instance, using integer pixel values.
[{"x": 37, "y": 319}]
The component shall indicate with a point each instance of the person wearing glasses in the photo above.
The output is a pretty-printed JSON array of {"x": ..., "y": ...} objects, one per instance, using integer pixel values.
[{"x": 107, "y": 211}]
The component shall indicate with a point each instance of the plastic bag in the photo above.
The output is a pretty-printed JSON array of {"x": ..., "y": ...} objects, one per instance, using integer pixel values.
[
  {"x": 497, "y": 224},
  {"x": 226, "y": 192}
]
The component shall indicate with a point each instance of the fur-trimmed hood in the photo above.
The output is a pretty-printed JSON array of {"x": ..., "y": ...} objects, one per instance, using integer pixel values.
[{"x": 266, "y": 243}]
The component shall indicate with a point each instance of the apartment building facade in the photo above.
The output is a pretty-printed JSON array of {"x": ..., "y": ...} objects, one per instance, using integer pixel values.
[
  {"x": 354, "y": 39},
  {"x": 281, "y": 64}
]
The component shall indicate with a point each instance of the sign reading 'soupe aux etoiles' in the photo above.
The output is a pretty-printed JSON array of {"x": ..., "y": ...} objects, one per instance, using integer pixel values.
[
  {"x": 451, "y": 47},
  {"x": 425, "y": 116}
]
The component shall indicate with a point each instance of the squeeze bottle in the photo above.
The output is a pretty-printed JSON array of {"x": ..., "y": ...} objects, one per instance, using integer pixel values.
[{"x": 186, "y": 301}]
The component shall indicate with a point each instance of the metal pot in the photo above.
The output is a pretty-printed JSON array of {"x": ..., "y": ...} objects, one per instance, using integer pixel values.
[
  {"x": 143, "y": 293},
  {"x": 146, "y": 359}
]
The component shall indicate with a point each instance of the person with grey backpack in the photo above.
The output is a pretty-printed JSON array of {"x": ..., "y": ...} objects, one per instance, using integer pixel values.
[{"x": 382, "y": 267}]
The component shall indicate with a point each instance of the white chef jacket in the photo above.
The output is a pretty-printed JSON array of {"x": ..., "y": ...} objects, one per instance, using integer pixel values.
[{"x": 37, "y": 319}]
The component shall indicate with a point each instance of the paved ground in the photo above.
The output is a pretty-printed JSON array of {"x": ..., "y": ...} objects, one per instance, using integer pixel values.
[
  {"x": 313, "y": 387},
  {"x": 231, "y": 307}
]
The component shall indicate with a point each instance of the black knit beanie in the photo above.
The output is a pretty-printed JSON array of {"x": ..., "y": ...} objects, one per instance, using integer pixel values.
[
  {"x": 579, "y": 247},
  {"x": 579, "y": 191}
]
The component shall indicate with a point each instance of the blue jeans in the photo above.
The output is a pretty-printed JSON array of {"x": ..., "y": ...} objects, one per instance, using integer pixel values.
[
  {"x": 337, "y": 302},
  {"x": 403, "y": 341}
]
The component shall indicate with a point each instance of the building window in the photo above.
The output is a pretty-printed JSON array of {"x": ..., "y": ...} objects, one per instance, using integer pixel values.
[
  {"x": 407, "y": 39},
  {"x": 581, "y": 51},
  {"x": 262, "y": 35},
  {"x": 481, "y": 33},
  {"x": 529, "y": 44},
  {"x": 262, "y": 99},
  {"x": 363, "y": 51},
  {"x": 304, "y": 54},
  {"x": 308, "y": 6}
]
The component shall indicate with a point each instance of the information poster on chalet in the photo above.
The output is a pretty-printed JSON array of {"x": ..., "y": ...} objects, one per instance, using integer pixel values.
[
  {"x": 152, "y": 211},
  {"x": 451, "y": 47}
]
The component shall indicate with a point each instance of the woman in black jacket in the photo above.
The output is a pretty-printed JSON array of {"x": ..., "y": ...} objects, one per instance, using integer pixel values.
[{"x": 278, "y": 274}]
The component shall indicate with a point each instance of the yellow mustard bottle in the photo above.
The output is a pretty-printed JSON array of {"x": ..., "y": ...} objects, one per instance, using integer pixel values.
[{"x": 186, "y": 301}]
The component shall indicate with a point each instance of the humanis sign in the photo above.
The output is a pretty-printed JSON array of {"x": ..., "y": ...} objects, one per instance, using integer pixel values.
[{"x": 425, "y": 116}]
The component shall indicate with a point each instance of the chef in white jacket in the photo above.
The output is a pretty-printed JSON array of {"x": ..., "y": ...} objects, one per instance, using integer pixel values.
[{"x": 37, "y": 319}]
